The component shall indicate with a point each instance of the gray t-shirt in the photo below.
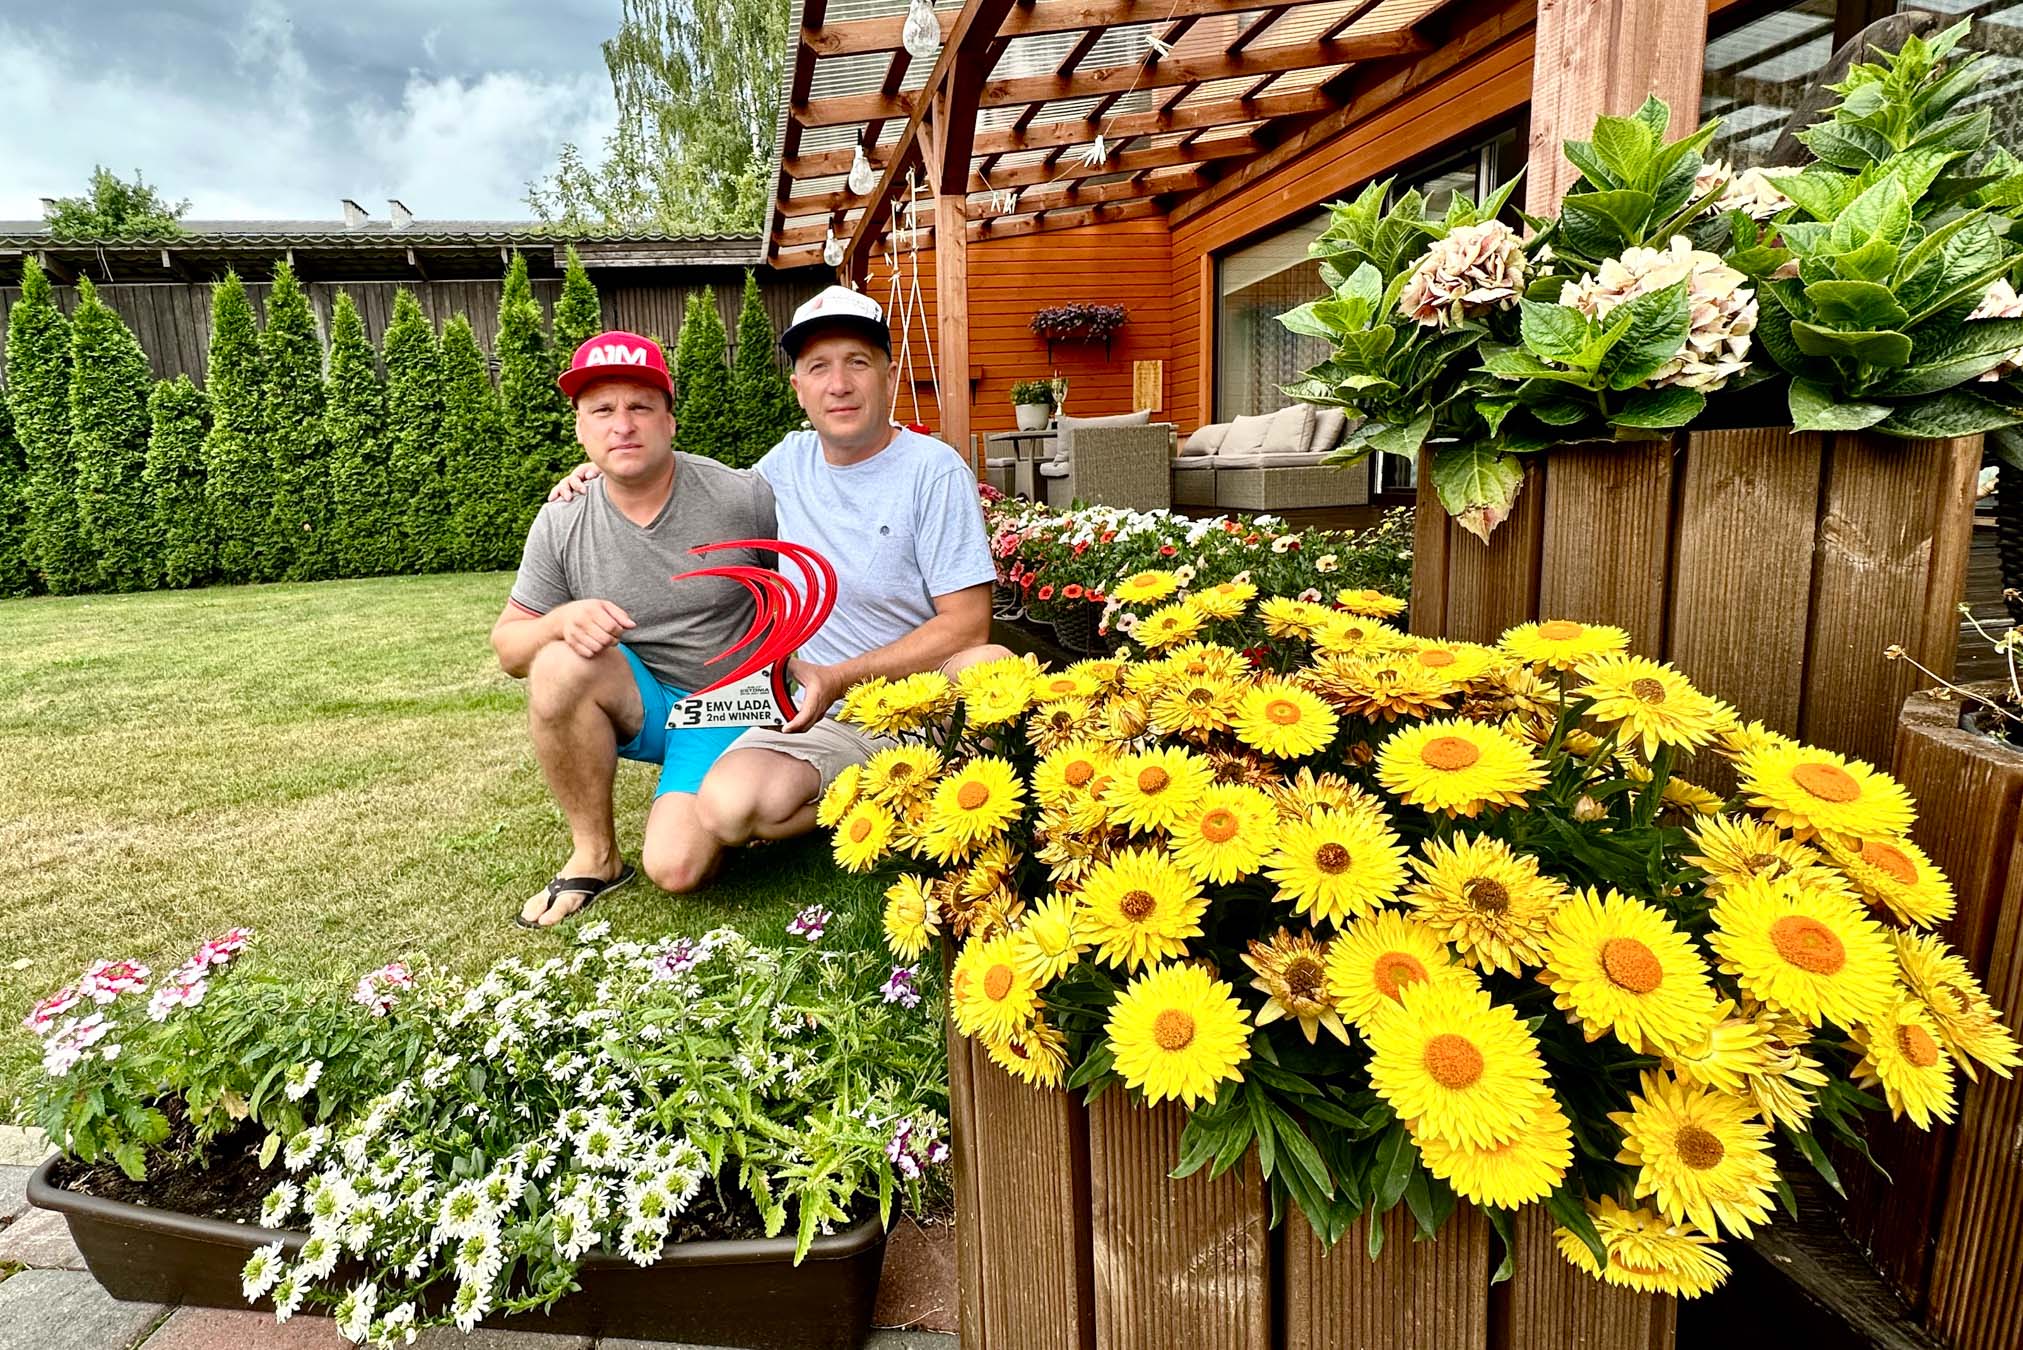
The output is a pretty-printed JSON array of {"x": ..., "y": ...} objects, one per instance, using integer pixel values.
[
  {"x": 587, "y": 549},
  {"x": 900, "y": 528}
]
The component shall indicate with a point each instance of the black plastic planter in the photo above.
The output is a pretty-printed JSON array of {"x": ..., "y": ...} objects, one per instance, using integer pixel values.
[{"x": 746, "y": 1293}]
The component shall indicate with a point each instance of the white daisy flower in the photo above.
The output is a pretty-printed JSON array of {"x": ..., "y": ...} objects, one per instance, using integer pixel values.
[{"x": 262, "y": 1269}]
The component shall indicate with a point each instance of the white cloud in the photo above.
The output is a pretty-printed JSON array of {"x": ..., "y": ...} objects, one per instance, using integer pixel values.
[{"x": 275, "y": 135}]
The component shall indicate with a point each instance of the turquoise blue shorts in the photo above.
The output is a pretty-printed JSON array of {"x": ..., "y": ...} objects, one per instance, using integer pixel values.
[{"x": 684, "y": 754}]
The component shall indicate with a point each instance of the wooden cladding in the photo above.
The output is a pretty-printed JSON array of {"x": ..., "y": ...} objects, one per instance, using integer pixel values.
[{"x": 1773, "y": 568}]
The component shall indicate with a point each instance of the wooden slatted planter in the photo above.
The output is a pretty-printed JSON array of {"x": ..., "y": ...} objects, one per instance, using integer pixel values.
[
  {"x": 1947, "y": 1227},
  {"x": 1772, "y": 568}
]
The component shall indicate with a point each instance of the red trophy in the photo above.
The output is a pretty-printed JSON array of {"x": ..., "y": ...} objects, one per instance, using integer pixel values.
[{"x": 755, "y": 692}]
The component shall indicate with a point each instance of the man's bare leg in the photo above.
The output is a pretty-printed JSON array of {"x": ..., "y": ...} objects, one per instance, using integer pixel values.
[
  {"x": 747, "y": 795},
  {"x": 578, "y": 711},
  {"x": 678, "y": 854}
]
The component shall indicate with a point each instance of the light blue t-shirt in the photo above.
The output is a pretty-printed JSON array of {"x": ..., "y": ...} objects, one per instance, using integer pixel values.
[{"x": 900, "y": 528}]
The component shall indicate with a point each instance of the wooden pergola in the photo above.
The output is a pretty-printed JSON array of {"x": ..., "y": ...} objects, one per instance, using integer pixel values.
[{"x": 1046, "y": 115}]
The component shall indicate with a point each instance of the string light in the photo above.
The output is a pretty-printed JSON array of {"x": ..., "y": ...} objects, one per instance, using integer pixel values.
[
  {"x": 921, "y": 34},
  {"x": 832, "y": 250},
  {"x": 862, "y": 177}
]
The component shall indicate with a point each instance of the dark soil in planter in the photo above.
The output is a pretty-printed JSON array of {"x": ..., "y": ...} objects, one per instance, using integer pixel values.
[{"x": 1979, "y": 716}]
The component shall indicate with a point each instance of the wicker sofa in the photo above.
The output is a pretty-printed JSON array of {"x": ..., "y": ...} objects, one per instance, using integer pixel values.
[{"x": 1272, "y": 462}]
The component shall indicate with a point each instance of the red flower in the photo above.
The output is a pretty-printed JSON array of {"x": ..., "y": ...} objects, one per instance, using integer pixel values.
[
  {"x": 1026, "y": 581},
  {"x": 1167, "y": 550},
  {"x": 1097, "y": 597},
  {"x": 1250, "y": 539},
  {"x": 1071, "y": 592},
  {"x": 1081, "y": 548},
  {"x": 1255, "y": 655},
  {"x": 1047, "y": 591},
  {"x": 1108, "y": 535}
]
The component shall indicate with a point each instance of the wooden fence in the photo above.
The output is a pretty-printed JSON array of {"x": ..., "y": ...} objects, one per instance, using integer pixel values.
[{"x": 173, "y": 319}]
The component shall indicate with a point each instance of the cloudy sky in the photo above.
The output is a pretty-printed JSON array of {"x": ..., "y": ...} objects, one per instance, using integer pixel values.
[{"x": 278, "y": 108}]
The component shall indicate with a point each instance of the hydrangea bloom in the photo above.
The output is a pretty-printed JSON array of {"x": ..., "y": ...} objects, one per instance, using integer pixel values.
[
  {"x": 1723, "y": 310},
  {"x": 1475, "y": 268}
]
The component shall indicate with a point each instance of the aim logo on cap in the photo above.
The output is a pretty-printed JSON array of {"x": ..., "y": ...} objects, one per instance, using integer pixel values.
[{"x": 623, "y": 355}]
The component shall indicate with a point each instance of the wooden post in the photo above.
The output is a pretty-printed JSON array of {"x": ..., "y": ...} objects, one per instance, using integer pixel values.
[
  {"x": 1606, "y": 56},
  {"x": 1177, "y": 1263},
  {"x": 951, "y": 303},
  {"x": 1608, "y": 527}
]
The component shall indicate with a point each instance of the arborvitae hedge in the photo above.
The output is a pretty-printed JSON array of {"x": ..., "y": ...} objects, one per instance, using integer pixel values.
[
  {"x": 539, "y": 435},
  {"x": 365, "y": 522},
  {"x": 764, "y": 403},
  {"x": 414, "y": 441},
  {"x": 109, "y": 385},
  {"x": 579, "y": 314},
  {"x": 706, "y": 423},
  {"x": 17, "y": 572},
  {"x": 486, "y": 496},
  {"x": 184, "y": 540},
  {"x": 238, "y": 471},
  {"x": 293, "y": 411},
  {"x": 38, "y": 395}
]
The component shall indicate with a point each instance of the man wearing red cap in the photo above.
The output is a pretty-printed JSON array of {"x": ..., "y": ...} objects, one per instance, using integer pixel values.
[
  {"x": 897, "y": 514},
  {"x": 606, "y": 645}
]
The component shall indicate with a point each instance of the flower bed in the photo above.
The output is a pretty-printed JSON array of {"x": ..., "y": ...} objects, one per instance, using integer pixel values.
[
  {"x": 1403, "y": 922},
  {"x": 457, "y": 1151},
  {"x": 1115, "y": 567}
]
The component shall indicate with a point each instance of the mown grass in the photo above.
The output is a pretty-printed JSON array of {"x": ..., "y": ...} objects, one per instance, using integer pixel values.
[{"x": 340, "y": 766}]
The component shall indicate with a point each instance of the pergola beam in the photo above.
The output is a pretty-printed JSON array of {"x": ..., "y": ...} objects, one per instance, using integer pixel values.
[
  {"x": 843, "y": 109},
  {"x": 1044, "y": 16},
  {"x": 1074, "y": 193}
]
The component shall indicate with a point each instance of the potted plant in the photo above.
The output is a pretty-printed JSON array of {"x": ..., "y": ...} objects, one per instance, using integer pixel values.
[
  {"x": 1377, "y": 925},
  {"x": 1686, "y": 360},
  {"x": 695, "y": 1140},
  {"x": 1033, "y": 402},
  {"x": 1079, "y": 321}
]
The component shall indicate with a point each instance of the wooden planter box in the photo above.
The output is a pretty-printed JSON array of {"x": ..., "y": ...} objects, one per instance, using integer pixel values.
[
  {"x": 1071, "y": 1237},
  {"x": 1944, "y": 1227},
  {"x": 1771, "y": 567}
]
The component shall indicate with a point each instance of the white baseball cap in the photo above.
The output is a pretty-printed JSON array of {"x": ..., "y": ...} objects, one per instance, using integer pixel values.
[{"x": 837, "y": 307}]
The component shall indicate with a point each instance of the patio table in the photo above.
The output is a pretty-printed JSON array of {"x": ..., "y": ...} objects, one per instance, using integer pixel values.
[{"x": 1024, "y": 447}]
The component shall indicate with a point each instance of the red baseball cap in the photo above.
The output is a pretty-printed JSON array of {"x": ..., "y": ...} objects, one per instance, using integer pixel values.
[{"x": 615, "y": 354}]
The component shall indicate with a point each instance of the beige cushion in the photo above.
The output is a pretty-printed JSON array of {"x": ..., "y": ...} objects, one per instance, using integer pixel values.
[
  {"x": 1205, "y": 440},
  {"x": 1245, "y": 436},
  {"x": 1291, "y": 430},
  {"x": 1129, "y": 419},
  {"x": 1330, "y": 424}
]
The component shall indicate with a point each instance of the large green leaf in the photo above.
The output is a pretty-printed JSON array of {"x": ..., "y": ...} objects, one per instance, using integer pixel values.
[
  {"x": 1402, "y": 439},
  {"x": 1618, "y": 215},
  {"x": 1844, "y": 146},
  {"x": 1554, "y": 332},
  {"x": 1819, "y": 193},
  {"x": 1883, "y": 212},
  {"x": 1515, "y": 363},
  {"x": 1306, "y": 321},
  {"x": 1955, "y": 355},
  {"x": 1856, "y": 305},
  {"x": 1956, "y": 412},
  {"x": 1815, "y": 407},
  {"x": 1657, "y": 329},
  {"x": 1478, "y": 485},
  {"x": 1884, "y": 348},
  {"x": 1660, "y": 409},
  {"x": 1625, "y": 145}
]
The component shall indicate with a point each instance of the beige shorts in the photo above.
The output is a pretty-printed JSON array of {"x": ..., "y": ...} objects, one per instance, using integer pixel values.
[{"x": 830, "y": 746}]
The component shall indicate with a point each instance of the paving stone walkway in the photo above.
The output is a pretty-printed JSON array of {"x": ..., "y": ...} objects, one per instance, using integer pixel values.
[{"x": 48, "y": 1301}]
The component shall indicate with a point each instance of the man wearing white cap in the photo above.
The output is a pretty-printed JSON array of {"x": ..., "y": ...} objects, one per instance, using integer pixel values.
[{"x": 898, "y": 516}]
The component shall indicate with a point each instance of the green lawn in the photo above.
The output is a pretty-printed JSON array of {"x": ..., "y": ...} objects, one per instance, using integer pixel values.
[{"x": 340, "y": 766}]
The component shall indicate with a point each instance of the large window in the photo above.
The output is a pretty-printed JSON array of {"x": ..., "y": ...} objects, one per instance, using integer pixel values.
[
  {"x": 1258, "y": 281},
  {"x": 1758, "y": 71}
]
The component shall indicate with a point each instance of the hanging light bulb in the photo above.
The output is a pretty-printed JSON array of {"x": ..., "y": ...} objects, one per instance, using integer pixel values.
[
  {"x": 832, "y": 250},
  {"x": 922, "y": 33},
  {"x": 862, "y": 177},
  {"x": 1098, "y": 153}
]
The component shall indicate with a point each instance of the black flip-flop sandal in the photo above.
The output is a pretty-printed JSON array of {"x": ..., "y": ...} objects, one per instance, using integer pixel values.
[{"x": 591, "y": 888}]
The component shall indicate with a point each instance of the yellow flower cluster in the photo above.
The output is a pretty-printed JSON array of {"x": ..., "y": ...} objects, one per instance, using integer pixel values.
[{"x": 1377, "y": 827}]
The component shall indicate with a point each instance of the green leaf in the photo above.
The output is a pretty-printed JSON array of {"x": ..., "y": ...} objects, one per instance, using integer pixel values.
[
  {"x": 1304, "y": 321},
  {"x": 1396, "y": 1158},
  {"x": 269, "y": 1148},
  {"x": 1625, "y": 145},
  {"x": 1499, "y": 1219},
  {"x": 1515, "y": 363},
  {"x": 1954, "y": 355},
  {"x": 1819, "y": 193},
  {"x": 1583, "y": 156},
  {"x": 1554, "y": 332},
  {"x": 1478, "y": 485},
  {"x": 130, "y": 1159},
  {"x": 1617, "y": 217},
  {"x": 1560, "y": 412},
  {"x": 1882, "y": 213},
  {"x": 1870, "y": 348},
  {"x": 1660, "y": 409},
  {"x": 1655, "y": 328},
  {"x": 1942, "y": 416},
  {"x": 1814, "y": 407},
  {"x": 1856, "y": 305},
  {"x": 1402, "y": 440},
  {"x": 1844, "y": 146},
  {"x": 1808, "y": 1146}
]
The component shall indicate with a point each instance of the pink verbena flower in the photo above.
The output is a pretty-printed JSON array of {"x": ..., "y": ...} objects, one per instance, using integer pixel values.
[
  {"x": 378, "y": 991},
  {"x": 810, "y": 923},
  {"x": 177, "y": 993},
  {"x": 45, "y": 1013},
  {"x": 221, "y": 949},
  {"x": 107, "y": 980}
]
